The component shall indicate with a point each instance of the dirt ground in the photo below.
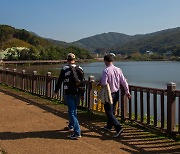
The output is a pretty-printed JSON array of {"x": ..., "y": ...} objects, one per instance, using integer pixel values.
[{"x": 29, "y": 124}]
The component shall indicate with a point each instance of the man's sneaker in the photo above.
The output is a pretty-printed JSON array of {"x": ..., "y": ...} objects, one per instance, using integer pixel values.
[
  {"x": 107, "y": 128},
  {"x": 74, "y": 136},
  {"x": 68, "y": 129},
  {"x": 118, "y": 133}
]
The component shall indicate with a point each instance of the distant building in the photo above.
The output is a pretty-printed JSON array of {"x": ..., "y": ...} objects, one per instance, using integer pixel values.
[
  {"x": 119, "y": 55},
  {"x": 149, "y": 52},
  {"x": 112, "y": 54},
  {"x": 167, "y": 53}
]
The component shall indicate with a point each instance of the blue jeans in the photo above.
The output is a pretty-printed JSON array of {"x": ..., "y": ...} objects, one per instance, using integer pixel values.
[
  {"x": 109, "y": 110},
  {"x": 72, "y": 102}
]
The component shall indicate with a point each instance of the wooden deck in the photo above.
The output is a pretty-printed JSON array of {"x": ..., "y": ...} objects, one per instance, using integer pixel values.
[{"x": 30, "y": 124}]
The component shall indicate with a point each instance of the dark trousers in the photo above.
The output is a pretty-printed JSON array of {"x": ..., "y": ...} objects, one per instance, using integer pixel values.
[
  {"x": 115, "y": 97},
  {"x": 109, "y": 110}
]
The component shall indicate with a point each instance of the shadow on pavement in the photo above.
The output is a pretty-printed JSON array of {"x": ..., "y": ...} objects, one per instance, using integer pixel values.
[{"x": 139, "y": 140}]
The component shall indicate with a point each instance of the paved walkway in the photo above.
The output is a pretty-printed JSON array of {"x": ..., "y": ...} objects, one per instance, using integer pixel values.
[{"x": 30, "y": 125}]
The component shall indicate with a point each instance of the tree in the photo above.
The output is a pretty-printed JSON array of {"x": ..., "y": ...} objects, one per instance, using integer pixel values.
[{"x": 11, "y": 55}]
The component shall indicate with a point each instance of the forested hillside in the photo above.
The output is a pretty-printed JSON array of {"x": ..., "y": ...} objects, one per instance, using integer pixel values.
[
  {"x": 41, "y": 48},
  {"x": 159, "y": 42},
  {"x": 37, "y": 47},
  {"x": 106, "y": 40},
  {"x": 9, "y": 36}
]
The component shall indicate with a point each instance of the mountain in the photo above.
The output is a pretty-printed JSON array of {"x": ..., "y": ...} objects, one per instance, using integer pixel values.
[
  {"x": 160, "y": 41},
  {"x": 58, "y": 43},
  {"x": 36, "y": 47},
  {"x": 12, "y": 37},
  {"x": 106, "y": 40}
]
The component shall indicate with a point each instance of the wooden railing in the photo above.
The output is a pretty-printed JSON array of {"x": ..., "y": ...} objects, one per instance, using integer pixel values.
[{"x": 157, "y": 108}]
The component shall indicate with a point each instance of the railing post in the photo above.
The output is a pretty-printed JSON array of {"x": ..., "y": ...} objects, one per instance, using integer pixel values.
[
  {"x": 90, "y": 92},
  {"x": 48, "y": 84},
  {"x": 23, "y": 80},
  {"x": 14, "y": 78},
  {"x": 123, "y": 104},
  {"x": 171, "y": 87},
  {"x": 6, "y": 76},
  {"x": 0, "y": 75},
  {"x": 34, "y": 77}
]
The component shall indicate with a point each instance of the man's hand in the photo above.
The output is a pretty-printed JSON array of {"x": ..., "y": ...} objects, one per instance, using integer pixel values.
[
  {"x": 128, "y": 96},
  {"x": 99, "y": 83}
]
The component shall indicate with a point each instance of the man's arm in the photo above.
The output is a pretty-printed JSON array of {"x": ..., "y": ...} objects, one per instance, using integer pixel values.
[
  {"x": 80, "y": 74},
  {"x": 125, "y": 85},
  {"x": 104, "y": 78},
  {"x": 59, "y": 82}
]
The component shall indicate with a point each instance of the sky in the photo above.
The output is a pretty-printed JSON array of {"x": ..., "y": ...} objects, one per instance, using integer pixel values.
[{"x": 72, "y": 20}]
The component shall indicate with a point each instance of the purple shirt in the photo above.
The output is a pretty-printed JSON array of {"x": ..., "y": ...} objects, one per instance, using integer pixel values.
[{"x": 114, "y": 76}]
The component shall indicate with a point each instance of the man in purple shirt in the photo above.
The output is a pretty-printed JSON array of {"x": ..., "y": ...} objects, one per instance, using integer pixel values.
[{"x": 113, "y": 76}]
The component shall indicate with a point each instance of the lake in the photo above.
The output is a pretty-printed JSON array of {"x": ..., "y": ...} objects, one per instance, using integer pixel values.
[{"x": 155, "y": 74}]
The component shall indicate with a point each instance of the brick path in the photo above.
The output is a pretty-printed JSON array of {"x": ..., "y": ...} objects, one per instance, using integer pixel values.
[{"x": 29, "y": 124}]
